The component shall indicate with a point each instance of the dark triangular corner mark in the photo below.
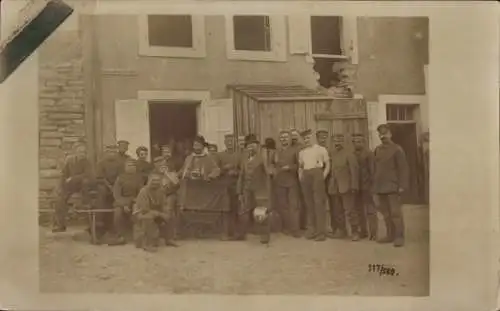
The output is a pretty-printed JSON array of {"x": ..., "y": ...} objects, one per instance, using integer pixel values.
[{"x": 22, "y": 44}]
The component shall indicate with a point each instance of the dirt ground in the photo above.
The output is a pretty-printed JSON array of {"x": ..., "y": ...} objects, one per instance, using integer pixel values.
[{"x": 286, "y": 266}]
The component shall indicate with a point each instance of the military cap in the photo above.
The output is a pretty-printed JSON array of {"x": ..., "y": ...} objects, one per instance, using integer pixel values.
[
  {"x": 251, "y": 140},
  {"x": 229, "y": 136},
  {"x": 338, "y": 136},
  {"x": 306, "y": 133},
  {"x": 141, "y": 148},
  {"x": 158, "y": 159},
  {"x": 123, "y": 142},
  {"x": 383, "y": 127},
  {"x": 322, "y": 131},
  {"x": 251, "y": 137},
  {"x": 284, "y": 132},
  {"x": 111, "y": 147},
  {"x": 163, "y": 147}
]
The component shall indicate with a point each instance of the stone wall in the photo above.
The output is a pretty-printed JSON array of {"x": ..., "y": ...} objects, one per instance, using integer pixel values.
[{"x": 61, "y": 107}]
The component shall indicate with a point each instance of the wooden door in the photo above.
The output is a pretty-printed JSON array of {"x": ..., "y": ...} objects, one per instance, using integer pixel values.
[
  {"x": 218, "y": 120},
  {"x": 405, "y": 135},
  {"x": 132, "y": 123}
]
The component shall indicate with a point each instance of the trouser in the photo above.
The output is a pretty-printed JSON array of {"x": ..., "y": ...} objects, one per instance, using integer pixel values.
[
  {"x": 389, "y": 205},
  {"x": 287, "y": 206},
  {"x": 302, "y": 210},
  {"x": 250, "y": 202},
  {"x": 149, "y": 228},
  {"x": 367, "y": 213},
  {"x": 172, "y": 209},
  {"x": 122, "y": 217},
  {"x": 342, "y": 206},
  {"x": 314, "y": 192},
  {"x": 230, "y": 218},
  {"x": 65, "y": 192},
  {"x": 104, "y": 220}
]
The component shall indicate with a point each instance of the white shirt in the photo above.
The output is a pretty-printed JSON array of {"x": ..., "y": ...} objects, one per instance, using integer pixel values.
[{"x": 314, "y": 156}]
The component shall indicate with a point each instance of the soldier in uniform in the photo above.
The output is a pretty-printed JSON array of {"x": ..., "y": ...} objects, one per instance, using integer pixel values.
[
  {"x": 253, "y": 188},
  {"x": 173, "y": 161},
  {"x": 76, "y": 177},
  {"x": 390, "y": 179},
  {"x": 107, "y": 171},
  {"x": 151, "y": 217},
  {"x": 122, "y": 150},
  {"x": 297, "y": 144},
  {"x": 322, "y": 138},
  {"x": 143, "y": 166},
  {"x": 286, "y": 185},
  {"x": 125, "y": 190},
  {"x": 342, "y": 189},
  {"x": 314, "y": 167},
  {"x": 364, "y": 198},
  {"x": 229, "y": 161}
]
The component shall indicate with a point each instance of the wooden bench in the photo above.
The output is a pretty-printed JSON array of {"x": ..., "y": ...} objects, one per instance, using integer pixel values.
[{"x": 76, "y": 206}]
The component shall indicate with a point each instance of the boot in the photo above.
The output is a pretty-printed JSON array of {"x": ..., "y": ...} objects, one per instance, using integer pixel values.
[
  {"x": 373, "y": 227},
  {"x": 340, "y": 234},
  {"x": 320, "y": 237},
  {"x": 310, "y": 235},
  {"x": 119, "y": 240},
  {"x": 355, "y": 234},
  {"x": 171, "y": 243},
  {"x": 389, "y": 238},
  {"x": 399, "y": 242}
]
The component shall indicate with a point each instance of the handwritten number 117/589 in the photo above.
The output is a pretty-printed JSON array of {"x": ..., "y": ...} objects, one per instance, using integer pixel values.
[{"x": 382, "y": 269}]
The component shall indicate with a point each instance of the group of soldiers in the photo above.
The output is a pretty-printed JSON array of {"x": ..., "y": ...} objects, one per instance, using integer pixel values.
[{"x": 295, "y": 183}]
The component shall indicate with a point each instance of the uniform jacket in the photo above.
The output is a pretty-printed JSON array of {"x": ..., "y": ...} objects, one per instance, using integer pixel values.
[
  {"x": 149, "y": 200},
  {"x": 253, "y": 175},
  {"x": 286, "y": 156},
  {"x": 390, "y": 169},
  {"x": 365, "y": 162},
  {"x": 126, "y": 188},
  {"x": 109, "y": 168},
  {"x": 229, "y": 163},
  {"x": 77, "y": 169},
  {"x": 144, "y": 168},
  {"x": 344, "y": 175}
]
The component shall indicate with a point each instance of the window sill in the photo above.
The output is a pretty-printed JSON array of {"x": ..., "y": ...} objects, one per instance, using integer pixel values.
[
  {"x": 256, "y": 56},
  {"x": 156, "y": 51}
]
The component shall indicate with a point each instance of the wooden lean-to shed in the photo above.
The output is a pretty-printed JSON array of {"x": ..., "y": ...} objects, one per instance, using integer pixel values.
[{"x": 264, "y": 110}]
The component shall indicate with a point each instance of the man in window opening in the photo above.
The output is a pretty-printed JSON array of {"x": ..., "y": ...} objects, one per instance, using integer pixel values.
[
  {"x": 286, "y": 185},
  {"x": 151, "y": 216},
  {"x": 342, "y": 189},
  {"x": 125, "y": 190},
  {"x": 143, "y": 166},
  {"x": 253, "y": 191},
  {"x": 364, "y": 198},
  {"x": 229, "y": 161},
  {"x": 390, "y": 179},
  {"x": 75, "y": 178},
  {"x": 314, "y": 167}
]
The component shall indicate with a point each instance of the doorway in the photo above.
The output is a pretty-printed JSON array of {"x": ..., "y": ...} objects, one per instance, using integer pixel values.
[
  {"x": 173, "y": 123},
  {"x": 405, "y": 135}
]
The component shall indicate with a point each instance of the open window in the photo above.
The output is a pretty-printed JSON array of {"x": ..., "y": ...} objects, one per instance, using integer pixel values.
[
  {"x": 172, "y": 36},
  {"x": 255, "y": 37}
]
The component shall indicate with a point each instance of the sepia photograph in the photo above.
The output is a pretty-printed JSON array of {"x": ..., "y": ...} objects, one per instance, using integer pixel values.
[{"x": 235, "y": 154}]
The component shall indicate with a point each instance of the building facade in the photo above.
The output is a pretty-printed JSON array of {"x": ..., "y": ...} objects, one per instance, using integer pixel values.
[{"x": 105, "y": 78}]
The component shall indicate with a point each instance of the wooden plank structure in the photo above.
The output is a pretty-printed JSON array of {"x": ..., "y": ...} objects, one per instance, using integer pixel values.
[{"x": 264, "y": 110}]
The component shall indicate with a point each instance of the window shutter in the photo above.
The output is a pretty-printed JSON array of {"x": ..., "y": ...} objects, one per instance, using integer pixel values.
[
  {"x": 299, "y": 33},
  {"x": 132, "y": 123},
  {"x": 350, "y": 37}
]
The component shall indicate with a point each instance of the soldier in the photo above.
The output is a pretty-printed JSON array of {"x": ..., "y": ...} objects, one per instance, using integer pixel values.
[
  {"x": 125, "y": 190},
  {"x": 390, "y": 179},
  {"x": 296, "y": 138},
  {"x": 122, "y": 150},
  {"x": 297, "y": 144},
  {"x": 342, "y": 188},
  {"x": 314, "y": 167},
  {"x": 212, "y": 149},
  {"x": 107, "y": 171},
  {"x": 364, "y": 199},
  {"x": 322, "y": 138},
  {"x": 253, "y": 191},
  {"x": 229, "y": 161},
  {"x": 286, "y": 185},
  {"x": 76, "y": 177},
  {"x": 173, "y": 162},
  {"x": 143, "y": 166},
  {"x": 150, "y": 215}
]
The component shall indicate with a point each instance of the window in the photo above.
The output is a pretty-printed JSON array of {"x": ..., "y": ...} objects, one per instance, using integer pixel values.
[
  {"x": 400, "y": 113},
  {"x": 172, "y": 36},
  {"x": 252, "y": 33},
  {"x": 256, "y": 38}
]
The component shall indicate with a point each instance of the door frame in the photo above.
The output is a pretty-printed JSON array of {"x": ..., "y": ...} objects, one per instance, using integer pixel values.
[
  {"x": 171, "y": 96},
  {"x": 388, "y": 99}
]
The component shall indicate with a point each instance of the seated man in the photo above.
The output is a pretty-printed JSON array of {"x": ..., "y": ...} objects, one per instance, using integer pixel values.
[
  {"x": 76, "y": 177},
  {"x": 125, "y": 190},
  {"x": 150, "y": 215}
]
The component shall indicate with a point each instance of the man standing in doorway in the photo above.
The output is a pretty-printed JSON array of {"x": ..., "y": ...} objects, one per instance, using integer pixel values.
[
  {"x": 286, "y": 185},
  {"x": 228, "y": 161},
  {"x": 342, "y": 188},
  {"x": 364, "y": 198},
  {"x": 122, "y": 151},
  {"x": 314, "y": 167},
  {"x": 75, "y": 177},
  {"x": 390, "y": 179}
]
